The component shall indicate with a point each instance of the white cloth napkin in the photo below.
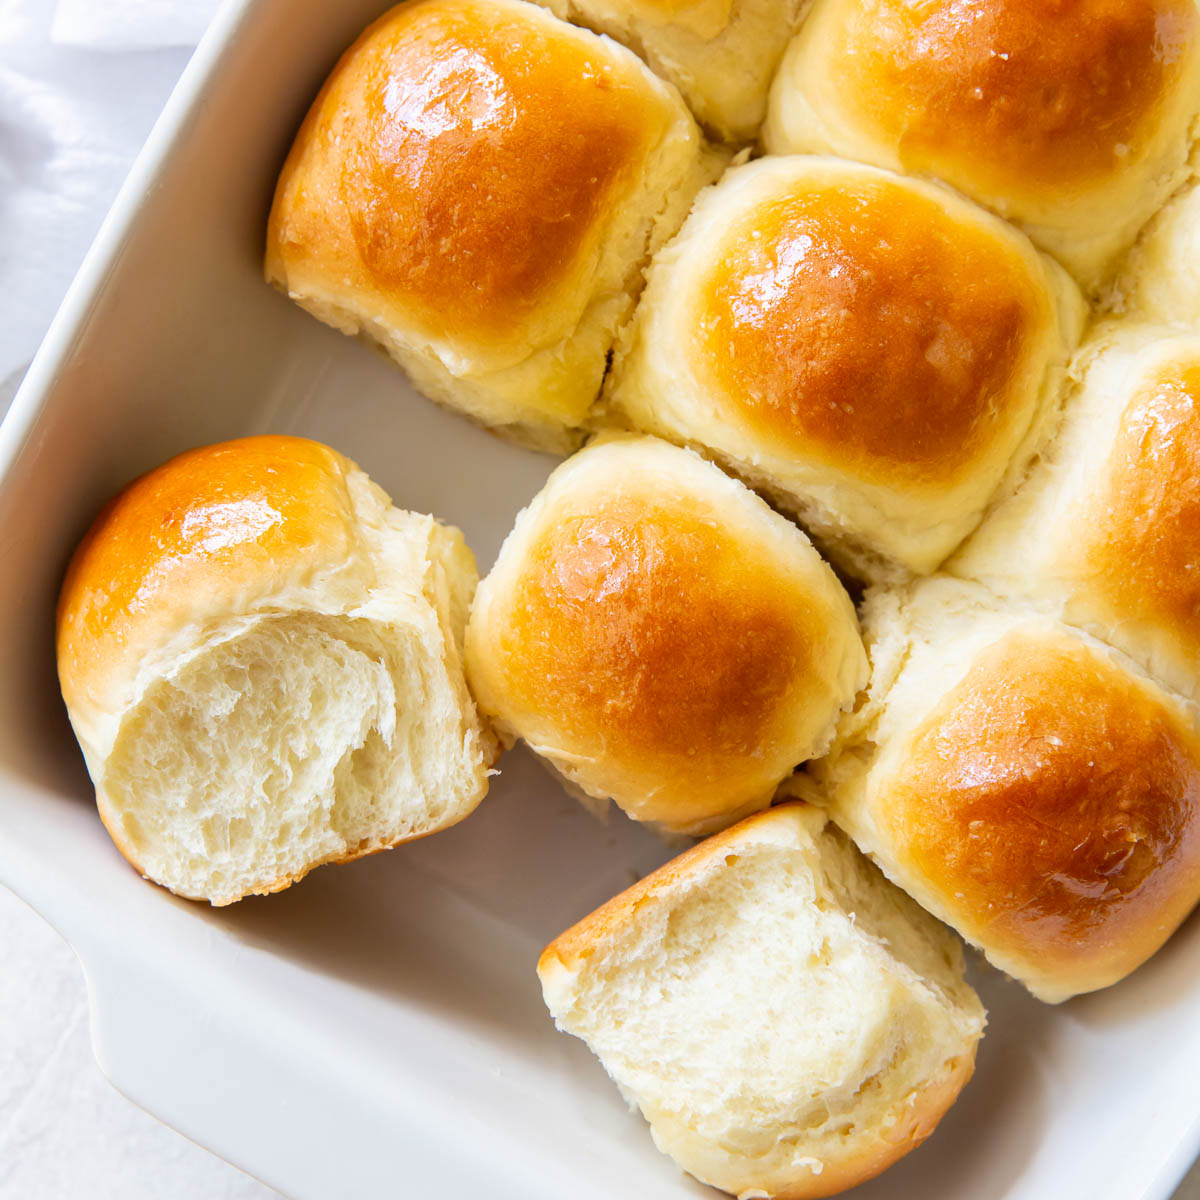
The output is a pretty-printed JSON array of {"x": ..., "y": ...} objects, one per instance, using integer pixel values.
[
  {"x": 81, "y": 82},
  {"x": 130, "y": 24}
]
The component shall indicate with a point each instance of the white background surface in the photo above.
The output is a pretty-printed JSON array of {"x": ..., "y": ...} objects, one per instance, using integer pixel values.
[{"x": 80, "y": 84}]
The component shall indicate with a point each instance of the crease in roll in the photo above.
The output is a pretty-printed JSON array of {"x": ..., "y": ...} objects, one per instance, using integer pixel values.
[
  {"x": 720, "y": 54},
  {"x": 1105, "y": 531},
  {"x": 1159, "y": 283}
]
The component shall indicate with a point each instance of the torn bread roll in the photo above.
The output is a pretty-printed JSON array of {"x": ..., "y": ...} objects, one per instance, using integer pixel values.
[
  {"x": 262, "y": 660},
  {"x": 789, "y": 1023}
]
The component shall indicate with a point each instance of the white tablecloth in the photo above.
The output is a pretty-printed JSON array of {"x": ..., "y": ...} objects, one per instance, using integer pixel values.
[{"x": 80, "y": 84}]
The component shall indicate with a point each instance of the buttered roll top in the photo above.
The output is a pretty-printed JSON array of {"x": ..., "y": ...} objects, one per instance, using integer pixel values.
[
  {"x": 873, "y": 352},
  {"x": 721, "y": 54},
  {"x": 1070, "y": 117},
  {"x": 1025, "y": 783},
  {"x": 661, "y": 637},
  {"x": 476, "y": 188}
]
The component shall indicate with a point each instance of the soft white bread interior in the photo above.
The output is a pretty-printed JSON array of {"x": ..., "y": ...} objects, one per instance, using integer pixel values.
[
  {"x": 476, "y": 190},
  {"x": 1072, "y": 120},
  {"x": 1025, "y": 783},
  {"x": 720, "y": 54},
  {"x": 661, "y": 637},
  {"x": 1160, "y": 282},
  {"x": 262, "y": 659},
  {"x": 875, "y": 353},
  {"x": 788, "y": 1022},
  {"x": 1105, "y": 532}
]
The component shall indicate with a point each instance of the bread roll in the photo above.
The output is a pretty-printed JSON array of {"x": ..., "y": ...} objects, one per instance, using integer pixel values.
[
  {"x": 720, "y": 54},
  {"x": 1023, "y": 782},
  {"x": 875, "y": 353},
  {"x": 1160, "y": 282},
  {"x": 788, "y": 1022},
  {"x": 662, "y": 638},
  {"x": 1071, "y": 118},
  {"x": 261, "y": 658},
  {"x": 1105, "y": 533},
  {"x": 476, "y": 190}
]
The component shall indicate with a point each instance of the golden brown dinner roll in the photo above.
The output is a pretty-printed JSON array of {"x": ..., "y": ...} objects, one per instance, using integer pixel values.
[
  {"x": 1023, "y": 782},
  {"x": 1070, "y": 117},
  {"x": 721, "y": 54},
  {"x": 1106, "y": 531},
  {"x": 262, "y": 660},
  {"x": 788, "y": 1022},
  {"x": 1161, "y": 282},
  {"x": 661, "y": 637},
  {"x": 476, "y": 190},
  {"x": 873, "y": 352}
]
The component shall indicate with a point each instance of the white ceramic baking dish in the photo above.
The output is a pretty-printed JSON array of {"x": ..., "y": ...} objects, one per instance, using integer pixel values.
[{"x": 378, "y": 1030}]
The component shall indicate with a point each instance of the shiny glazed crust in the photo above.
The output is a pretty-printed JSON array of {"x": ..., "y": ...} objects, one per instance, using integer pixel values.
[
  {"x": 205, "y": 535},
  {"x": 475, "y": 189},
  {"x": 1068, "y": 116},
  {"x": 1024, "y": 783},
  {"x": 662, "y": 637},
  {"x": 873, "y": 352}
]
